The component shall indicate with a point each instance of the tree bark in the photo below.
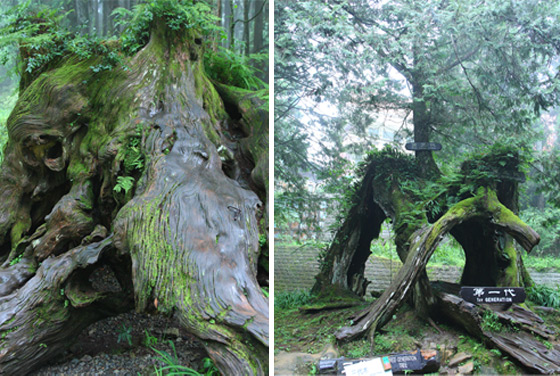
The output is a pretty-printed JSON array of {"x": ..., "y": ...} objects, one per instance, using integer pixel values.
[
  {"x": 246, "y": 27},
  {"x": 228, "y": 23},
  {"x": 343, "y": 265},
  {"x": 520, "y": 344},
  {"x": 145, "y": 170}
]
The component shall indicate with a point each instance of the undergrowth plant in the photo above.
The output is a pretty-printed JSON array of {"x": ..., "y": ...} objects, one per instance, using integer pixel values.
[
  {"x": 234, "y": 69},
  {"x": 291, "y": 299},
  {"x": 491, "y": 322},
  {"x": 125, "y": 334},
  {"x": 172, "y": 366},
  {"x": 544, "y": 296}
]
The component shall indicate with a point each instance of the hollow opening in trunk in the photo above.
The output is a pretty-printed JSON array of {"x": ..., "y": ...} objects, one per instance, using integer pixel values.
[{"x": 55, "y": 151}]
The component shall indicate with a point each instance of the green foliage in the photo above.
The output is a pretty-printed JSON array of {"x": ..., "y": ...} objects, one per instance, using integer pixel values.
[
  {"x": 172, "y": 366},
  {"x": 491, "y": 322},
  {"x": 231, "y": 68},
  {"x": 15, "y": 260},
  {"x": 360, "y": 348},
  {"x": 265, "y": 291},
  {"x": 177, "y": 14},
  {"x": 384, "y": 248},
  {"x": 209, "y": 368},
  {"x": 286, "y": 300},
  {"x": 40, "y": 32},
  {"x": 149, "y": 339},
  {"x": 34, "y": 29},
  {"x": 125, "y": 334},
  {"x": 544, "y": 296},
  {"x": 548, "y": 263},
  {"x": 133, "y": 159},
  {"x": 124, "y": 183},
  {"x": 133, "y": 162},
  {"x": 335, "y": 77},
  {"x": 547, "y": 174},
  {"x": 262, "y": 240},
  {"x": 448, "y": 253},
  {"x": 546, "y": 222},
  {"x": 43, "y": 38}
]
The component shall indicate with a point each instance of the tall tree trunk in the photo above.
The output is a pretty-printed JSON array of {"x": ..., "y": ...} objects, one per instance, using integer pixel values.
[
  {"x": 218, "y": 24},
  {"x": 143, "y": 171},
  {"x": 228, "y": 23},
  {"x": 246, "y": 28},
  {"x": 92, "y": 16},
  {"x": 258, "y": 26},
  {"x": 100, "y": 18},
  {"x": 259, "y": 10},
  {"x": 421, "y": 122}
]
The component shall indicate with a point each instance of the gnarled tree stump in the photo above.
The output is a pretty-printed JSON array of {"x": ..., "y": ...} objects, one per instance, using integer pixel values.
[
  {"x": 485, "y": 208},
  {"x": 146, "y": 171}
]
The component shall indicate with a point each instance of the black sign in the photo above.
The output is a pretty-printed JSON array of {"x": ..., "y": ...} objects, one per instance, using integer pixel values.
[
  {"x": 493, "y": 295},
  {"x": 417, "y": 146},
  {"x": 404, "y": 362}
]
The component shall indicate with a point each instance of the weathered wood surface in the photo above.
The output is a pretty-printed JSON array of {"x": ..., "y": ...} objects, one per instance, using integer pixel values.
[
  {"x": 484, "y": 207},
  {"x": 38, "y": 319},
  {"x": 520, "y": 345},
  {"x": 185, "y": 233}
]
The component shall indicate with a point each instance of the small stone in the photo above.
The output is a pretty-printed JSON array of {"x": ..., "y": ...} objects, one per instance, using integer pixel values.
[
  {"x": 329, "y": 352},
  {"x": 86, "y": 358},
  {"x": 179, "y": 340},
  {"x": 459, "y": 358},
  {"x": 92, "y": 331},
  {"x": 172, "y": 332},
  {"x": 467, "y": 368},
  {"x": 446, "y": 354}
]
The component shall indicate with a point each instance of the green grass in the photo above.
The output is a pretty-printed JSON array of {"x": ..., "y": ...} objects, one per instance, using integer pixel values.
[
  {"x": 449, "y": 253},
  {"x": 306, "y": 332},
  {"x": 544, "y": 296},
  {"x": 172, "y": 366},
  {"x": 542, "y": 263},
  {"x": 284, "y": 300}
]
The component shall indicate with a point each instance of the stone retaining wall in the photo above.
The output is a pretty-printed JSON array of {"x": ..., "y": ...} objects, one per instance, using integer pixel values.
[{"x": 295, "y": 268}]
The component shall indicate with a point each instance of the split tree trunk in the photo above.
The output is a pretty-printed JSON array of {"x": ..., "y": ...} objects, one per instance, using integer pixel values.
[
  {"x": 145, "y": 171},
  {"x": 484, "y": 207}
]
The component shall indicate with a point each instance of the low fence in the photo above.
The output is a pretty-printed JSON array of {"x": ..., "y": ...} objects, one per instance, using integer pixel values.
[{"x": 295, "y": 268}]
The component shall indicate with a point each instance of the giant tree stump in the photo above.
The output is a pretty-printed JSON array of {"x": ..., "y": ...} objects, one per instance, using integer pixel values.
[
  {"x": 144, "y": 171},
  {"x": 484, "y": 207}
]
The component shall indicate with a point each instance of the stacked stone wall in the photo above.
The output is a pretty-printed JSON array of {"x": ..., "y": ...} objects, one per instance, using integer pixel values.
[{"x": 295, "y": 268}]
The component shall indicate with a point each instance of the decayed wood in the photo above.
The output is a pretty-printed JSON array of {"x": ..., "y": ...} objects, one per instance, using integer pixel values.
[
  {"x": 521, "y": 345},
  {"x": 43, "y": 316},
  {"x": 484, "y": 207},
  {"x": 185, "y": 232}
]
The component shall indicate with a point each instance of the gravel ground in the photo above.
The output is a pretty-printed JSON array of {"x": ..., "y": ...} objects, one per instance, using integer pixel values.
[
  {"x": 100, "y": 351},
  {"x": 117, "y": 345}
]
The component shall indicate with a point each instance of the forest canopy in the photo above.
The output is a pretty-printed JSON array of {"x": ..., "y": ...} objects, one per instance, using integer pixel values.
[{"x": 352, "y": 74}]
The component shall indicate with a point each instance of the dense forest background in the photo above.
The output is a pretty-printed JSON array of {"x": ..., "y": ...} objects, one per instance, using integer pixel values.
[
  {"x": 348, "y": 76},
  {"x": 240, "y": 45}
]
